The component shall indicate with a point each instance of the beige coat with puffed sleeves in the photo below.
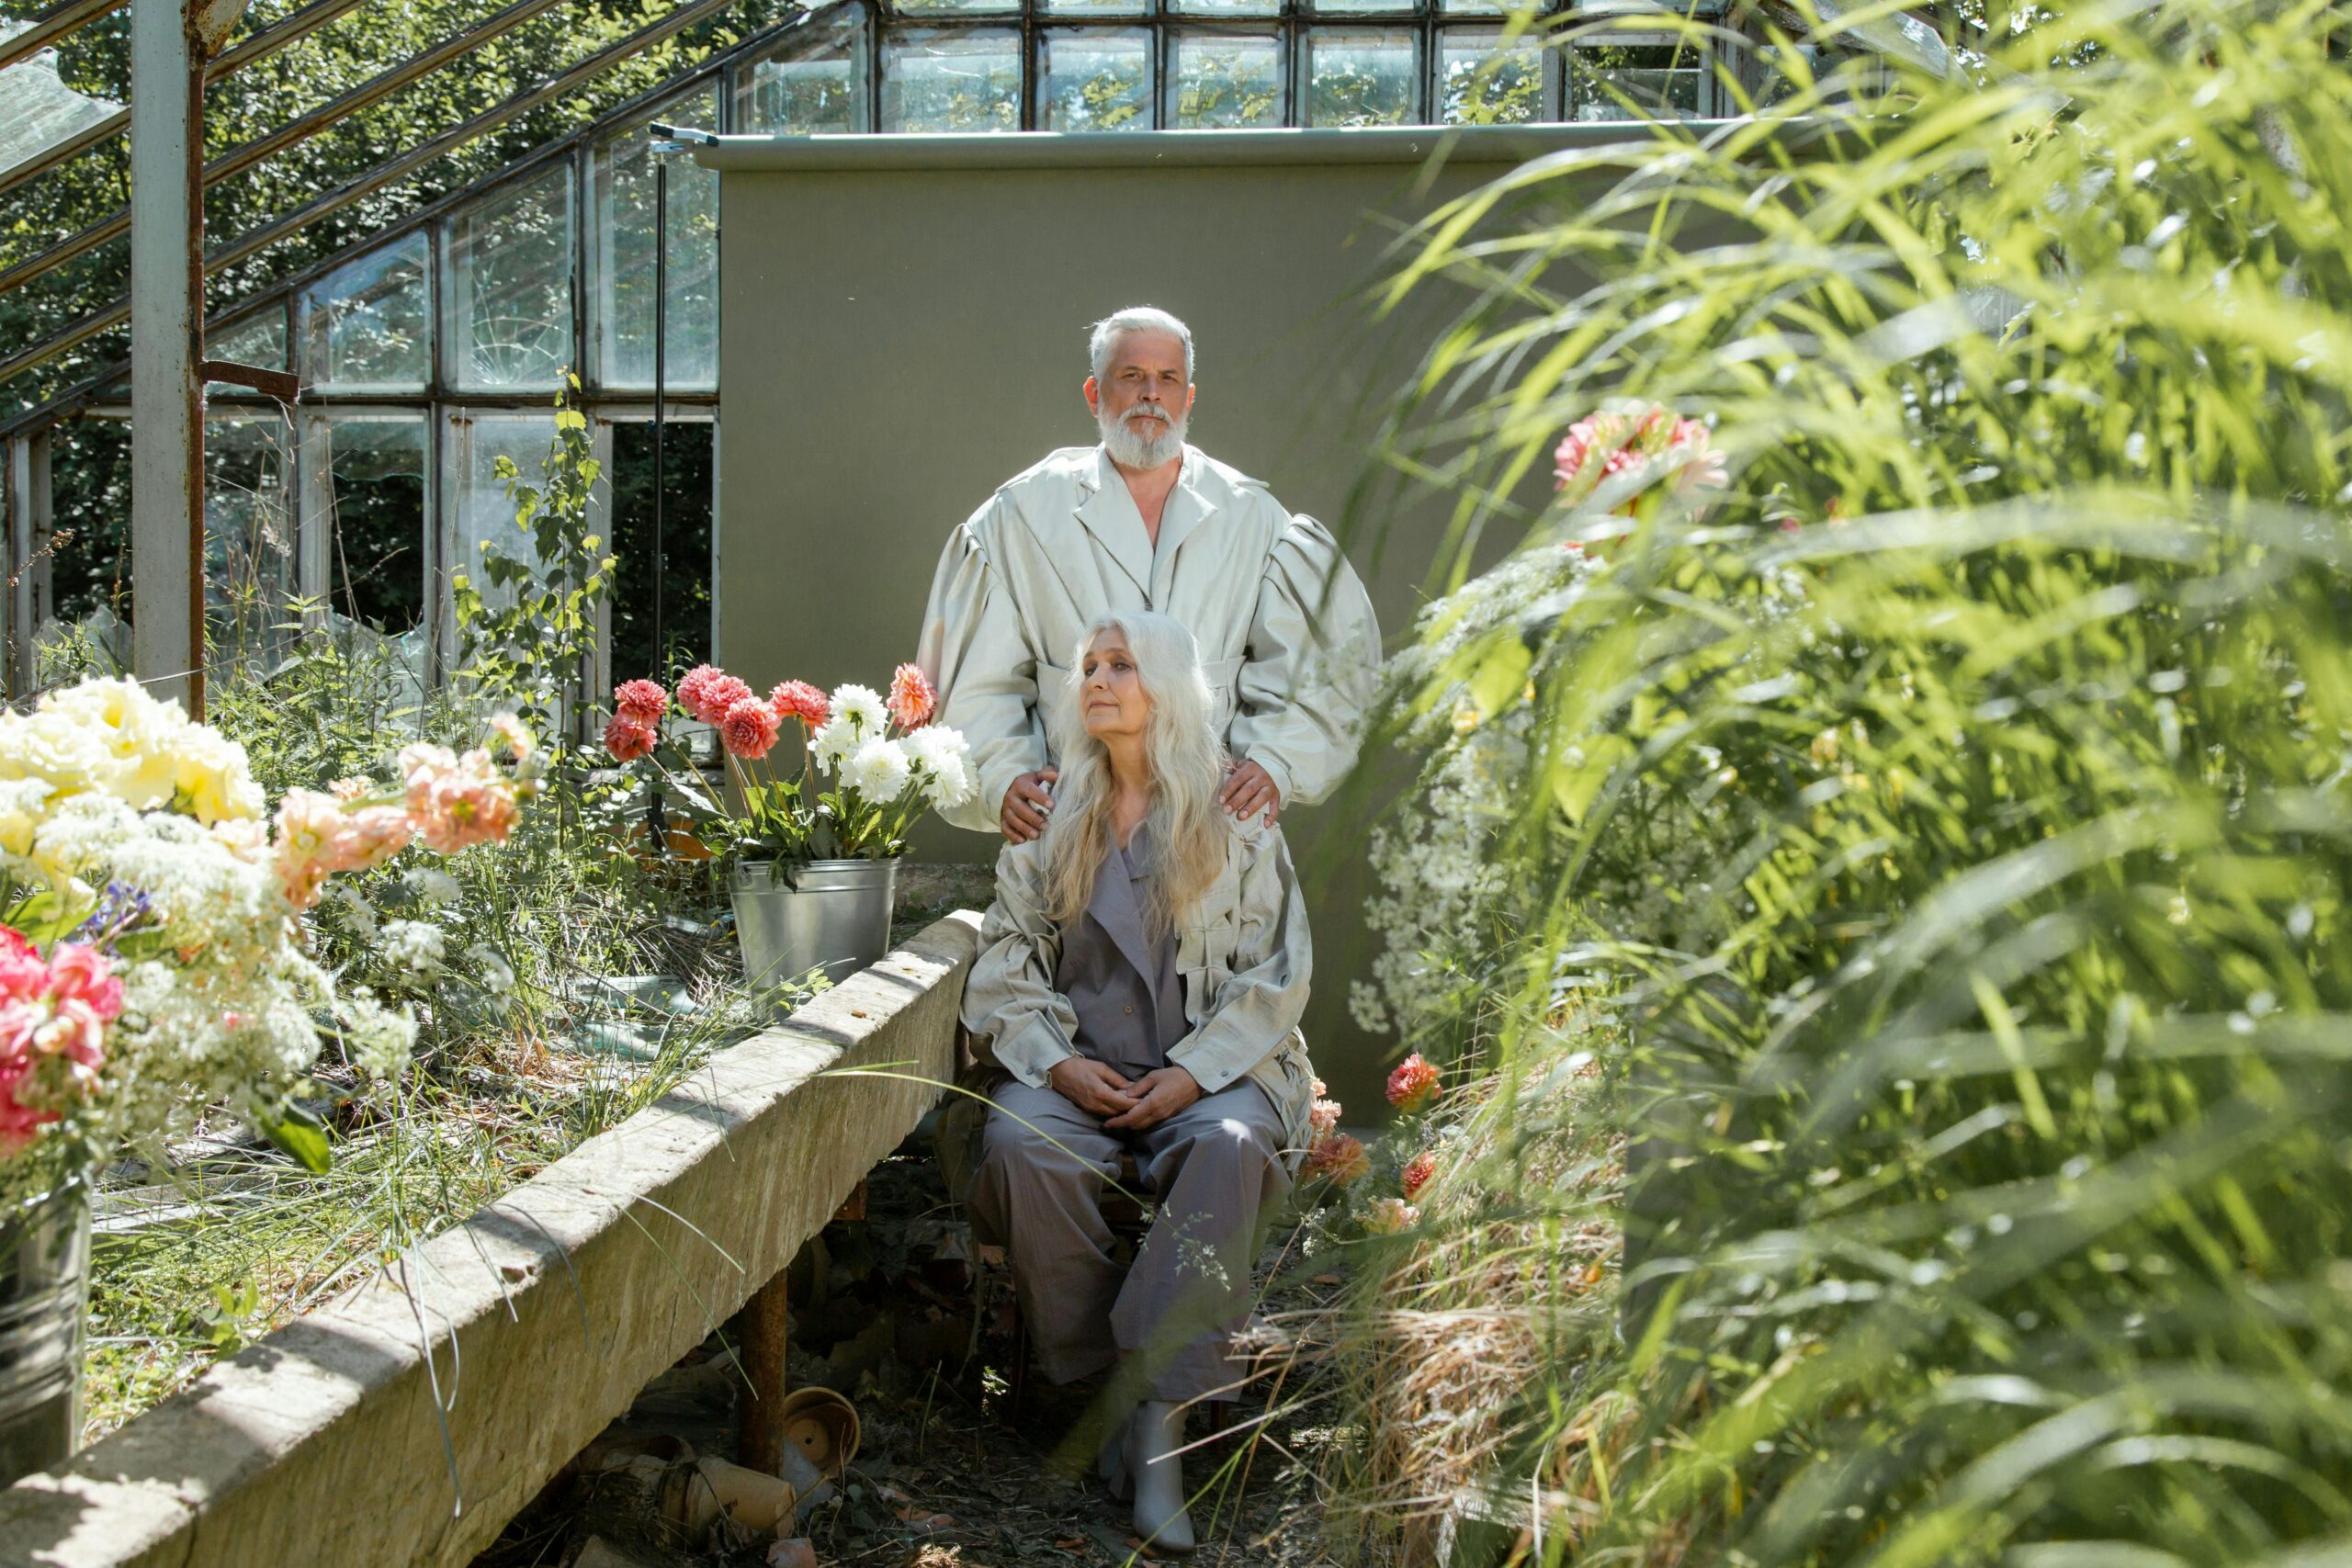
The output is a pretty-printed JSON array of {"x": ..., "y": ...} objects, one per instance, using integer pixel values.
[{"x": 1286, "y": 629}]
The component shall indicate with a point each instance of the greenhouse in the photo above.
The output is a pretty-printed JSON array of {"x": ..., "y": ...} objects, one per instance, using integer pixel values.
[{"x": 1310, "y": 783}]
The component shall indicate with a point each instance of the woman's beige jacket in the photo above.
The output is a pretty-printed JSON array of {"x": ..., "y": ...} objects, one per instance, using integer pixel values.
[{"x": 1242, "y": 953}]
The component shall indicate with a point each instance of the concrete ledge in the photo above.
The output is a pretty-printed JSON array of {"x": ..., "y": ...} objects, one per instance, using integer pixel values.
[{"x": 494, "y": 1353}]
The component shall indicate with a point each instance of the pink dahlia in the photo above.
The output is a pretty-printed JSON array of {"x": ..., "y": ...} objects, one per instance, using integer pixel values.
[
  {"x": 627, "y": 739},
  {"x": 1414, "y": 1085},
  {"x": 1417, "y": 1173},
  {"x": 913, "y": 699},
  {"x": 747, "y": 729},
  {"x": 715, "y": 696},
  {"x": 643, "y": 701},
  {"x": 690, "y": 686},
  {"x": 514, "y": 734},
  {"x": 798, "y": 699},
  {"x": 1338, "y": 1160}
]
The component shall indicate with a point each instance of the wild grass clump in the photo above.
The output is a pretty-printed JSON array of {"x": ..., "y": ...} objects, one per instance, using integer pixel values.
[
  {"x": 1506, "y": 1276},
  {"x": 1979, "y": 1061}
]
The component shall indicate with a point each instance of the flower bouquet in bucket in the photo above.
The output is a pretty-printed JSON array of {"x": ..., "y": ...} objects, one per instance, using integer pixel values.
[
  {"x": 813, "y": 850},
  {"x": 153, "y": 964}
]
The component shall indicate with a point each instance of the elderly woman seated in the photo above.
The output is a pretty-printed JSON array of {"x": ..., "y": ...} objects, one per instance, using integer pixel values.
[{"x": 1140, "y": 977}]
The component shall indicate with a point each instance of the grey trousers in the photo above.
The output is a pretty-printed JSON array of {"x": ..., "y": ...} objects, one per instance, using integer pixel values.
[{"x": 1217, "y": 1169}]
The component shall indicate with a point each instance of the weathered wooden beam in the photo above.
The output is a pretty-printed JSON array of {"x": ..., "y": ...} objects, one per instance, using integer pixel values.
[{"x": 167, "y": 331}]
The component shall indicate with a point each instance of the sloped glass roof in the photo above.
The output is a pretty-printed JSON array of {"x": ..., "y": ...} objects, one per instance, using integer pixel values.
[{"x": 37, "y": 110}]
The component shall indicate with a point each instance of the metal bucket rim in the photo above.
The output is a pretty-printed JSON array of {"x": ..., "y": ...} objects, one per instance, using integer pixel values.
[{"x": 762, "y": 873}]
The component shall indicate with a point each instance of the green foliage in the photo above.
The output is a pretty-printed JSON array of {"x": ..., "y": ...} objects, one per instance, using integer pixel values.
[
  {"x": 529, "y": 641},
  {"x": 1943, "y": 838}
]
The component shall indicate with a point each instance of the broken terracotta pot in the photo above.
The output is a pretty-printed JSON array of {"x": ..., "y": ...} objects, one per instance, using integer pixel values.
[
  {"x": 822, "y": 1425},
  {"x": 699, "y": 1494}
]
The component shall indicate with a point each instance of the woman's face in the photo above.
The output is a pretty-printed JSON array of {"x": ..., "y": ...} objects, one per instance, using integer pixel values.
[{"x": 1111, "y": 695}]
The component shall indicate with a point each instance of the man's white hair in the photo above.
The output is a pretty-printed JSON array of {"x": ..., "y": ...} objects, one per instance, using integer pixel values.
[{"x": 1135, "y": 319}]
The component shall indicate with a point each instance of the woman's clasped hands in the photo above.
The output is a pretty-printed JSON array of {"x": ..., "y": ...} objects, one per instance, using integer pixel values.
[{"x": 1099, "y": 1089}]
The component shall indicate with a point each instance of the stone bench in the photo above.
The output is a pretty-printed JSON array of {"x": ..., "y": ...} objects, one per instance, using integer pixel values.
[{"x": 407, "y": 1422}]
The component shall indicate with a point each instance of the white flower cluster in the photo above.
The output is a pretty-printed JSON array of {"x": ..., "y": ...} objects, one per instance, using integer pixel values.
[
  {"x": 111, "y": 738},
  {"x": 855, "y": 748},
  {"x": 106, "y": 791}
]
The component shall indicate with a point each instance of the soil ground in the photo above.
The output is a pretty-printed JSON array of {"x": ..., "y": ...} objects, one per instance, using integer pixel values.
[{"x": 955, "y": 1467}]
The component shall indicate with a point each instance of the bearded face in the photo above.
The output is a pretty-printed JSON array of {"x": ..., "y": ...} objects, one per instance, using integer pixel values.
[{"x": 1146, "y": 437}]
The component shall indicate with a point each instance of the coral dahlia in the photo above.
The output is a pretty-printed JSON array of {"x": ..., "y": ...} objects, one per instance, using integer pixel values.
[{"x": 1414, "y": 1085}]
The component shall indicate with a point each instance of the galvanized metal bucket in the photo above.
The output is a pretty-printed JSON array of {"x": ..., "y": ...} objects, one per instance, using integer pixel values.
[
  {"x": 838, "y": 919},
  {"x": 44, "y": 1291}
]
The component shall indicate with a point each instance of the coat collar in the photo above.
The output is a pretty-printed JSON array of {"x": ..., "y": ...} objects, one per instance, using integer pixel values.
[{"x": 1109, "y": 512}]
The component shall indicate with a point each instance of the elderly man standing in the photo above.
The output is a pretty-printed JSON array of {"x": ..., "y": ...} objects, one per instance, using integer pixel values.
[{"x": 1143, "y": 522}]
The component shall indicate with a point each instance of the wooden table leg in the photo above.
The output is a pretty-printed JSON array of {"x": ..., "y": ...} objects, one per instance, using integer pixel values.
[{"x": 760, "y": 1438}]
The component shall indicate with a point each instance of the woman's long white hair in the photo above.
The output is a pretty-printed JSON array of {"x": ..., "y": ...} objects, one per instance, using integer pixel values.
[{"x": 1186, "y": 759}]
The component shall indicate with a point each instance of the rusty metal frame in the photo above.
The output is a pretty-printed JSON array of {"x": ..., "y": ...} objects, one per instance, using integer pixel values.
[
  {"x": 294, "y": 132},
  {"x": 677, "y": 19},
  {"x": 261, "y": 45}
]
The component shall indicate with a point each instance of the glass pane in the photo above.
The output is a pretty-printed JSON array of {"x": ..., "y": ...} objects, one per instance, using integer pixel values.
[
  {"x": 1224, "y": 80},
  {"x": 90, "y": 564},
  {"x": 375, "y": 499},
  {"x": 812, "y": 85},
  {"x": 687, "y": 476},
  {"x": 258, "y": 340},
  {"x": 966, "y": 7},
  {"x": 965, "y": 80},
  {"x": 510, "y": 285},
  {"x": 1092, "y": 7},
  {"x": 1483, "y": 82},
  {"x": 37, "y": 109},
  {"x": 1227, "y": 7},
  {"x": 483, "y": 510},
  {"x": 1619, "y": 81},
  {"x": 1362, "y": 75},
  {"x": 248, "y": 540},
  {"x": 365, "y": 327},
  {"x": 1344, "y": 8},
  {"x": 1096, "y": 80},
  {"x": 621, "y": 253}
]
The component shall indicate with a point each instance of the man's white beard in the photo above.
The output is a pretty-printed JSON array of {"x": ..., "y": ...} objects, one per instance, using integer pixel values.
[{"x": 1132, "y": 448}]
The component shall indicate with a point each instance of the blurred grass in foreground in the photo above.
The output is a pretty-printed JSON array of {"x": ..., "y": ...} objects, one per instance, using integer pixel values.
[{"x": 1941, "y": 841}]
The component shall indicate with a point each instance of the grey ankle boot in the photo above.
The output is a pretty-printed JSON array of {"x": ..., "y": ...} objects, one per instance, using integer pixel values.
[{"x": 1160, "y": 1518}]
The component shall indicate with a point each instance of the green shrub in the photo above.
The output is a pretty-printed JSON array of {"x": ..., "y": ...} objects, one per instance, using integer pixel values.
[{"x": 1944, "y": 837}]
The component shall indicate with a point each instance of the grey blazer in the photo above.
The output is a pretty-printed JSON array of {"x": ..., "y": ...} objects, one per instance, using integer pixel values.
[{"x": 1242, "y": 954}]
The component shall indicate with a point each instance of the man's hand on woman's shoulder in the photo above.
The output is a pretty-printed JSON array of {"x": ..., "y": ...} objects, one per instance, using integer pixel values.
[
  {"x": 1027, "y": 802},
  {"x": 1249, "y": 788}
]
